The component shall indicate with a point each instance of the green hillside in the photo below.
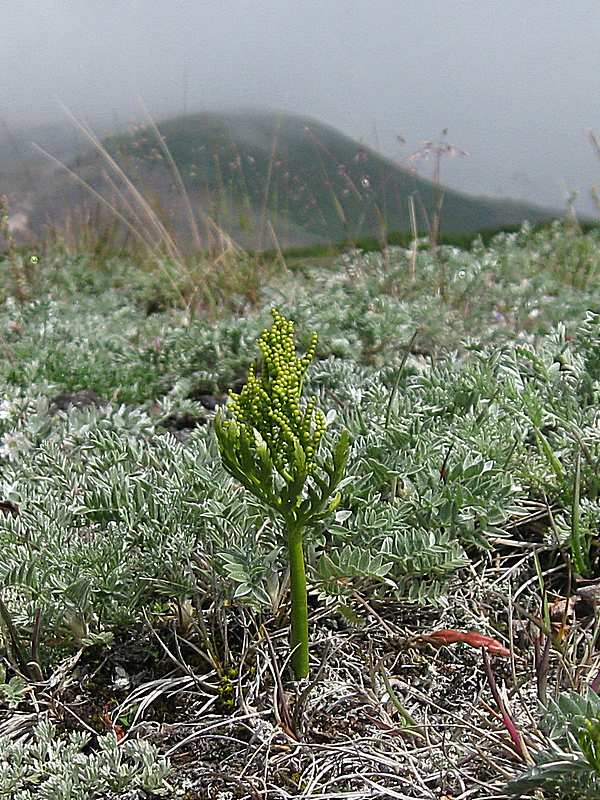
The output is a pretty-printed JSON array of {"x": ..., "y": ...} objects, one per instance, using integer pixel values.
[{"x": 261, "y": 176}]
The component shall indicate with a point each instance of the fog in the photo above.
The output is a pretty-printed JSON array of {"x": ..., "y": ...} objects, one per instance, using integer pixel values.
[{"x": 515, "y": 82}]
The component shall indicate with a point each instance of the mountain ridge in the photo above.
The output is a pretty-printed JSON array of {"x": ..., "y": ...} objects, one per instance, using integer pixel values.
[{"x": 273, "y": 177}]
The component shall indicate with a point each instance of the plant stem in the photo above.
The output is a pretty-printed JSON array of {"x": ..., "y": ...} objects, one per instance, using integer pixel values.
[
  {"x": 580, "y": 556},
  {"x": 299, "y": 604}
]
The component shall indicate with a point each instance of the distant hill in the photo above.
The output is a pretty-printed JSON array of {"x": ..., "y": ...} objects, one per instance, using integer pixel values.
[
  {"x": 262, "y": 176},
  {"x": 27, "y": 177}
]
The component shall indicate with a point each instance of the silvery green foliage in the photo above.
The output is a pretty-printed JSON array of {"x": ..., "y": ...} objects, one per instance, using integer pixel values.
[
  {"x": 588, "y": 336},
  {"x": 117, "y": 519},
  {"x": 569, "y": 768},
  {"x": 468, "y": 443},
  {"x": 489, "y": 415},
  {"x": 13, "y": 692},
  {"x": 54, "y": 767},
  {"x": 34, "y": 422},
  {"x": 376, "y": 546},
  {"x": 363, "y": 308},
  {"x": 125, "y": 515}
]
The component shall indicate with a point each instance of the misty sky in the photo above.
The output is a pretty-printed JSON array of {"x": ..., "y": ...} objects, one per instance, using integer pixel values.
[{"x": 516, "y": 82}]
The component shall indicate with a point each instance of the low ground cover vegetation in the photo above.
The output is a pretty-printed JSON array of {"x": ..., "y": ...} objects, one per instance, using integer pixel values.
[{"x": 450, "y": 565}]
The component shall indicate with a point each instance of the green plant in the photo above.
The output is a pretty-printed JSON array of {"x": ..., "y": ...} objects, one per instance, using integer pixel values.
[
  {"x": 569, "y": 767},
  {"x": 579, "y": 542},
  {"x": 271, "y": 445},
  {"x": 50, "y": 767}
]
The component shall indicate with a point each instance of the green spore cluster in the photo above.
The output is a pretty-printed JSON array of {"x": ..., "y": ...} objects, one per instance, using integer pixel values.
[{"x": 270, "y": 403}]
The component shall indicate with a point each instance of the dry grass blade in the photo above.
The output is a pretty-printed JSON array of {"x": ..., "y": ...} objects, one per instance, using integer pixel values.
[
  {"x": 177, "y": 176},
  {"x": 141, "y": 220},
  {"x": 140, "y": 236}
]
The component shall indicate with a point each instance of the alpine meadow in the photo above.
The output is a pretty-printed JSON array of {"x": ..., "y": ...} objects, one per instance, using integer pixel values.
[{"x": 299, "y": 450}]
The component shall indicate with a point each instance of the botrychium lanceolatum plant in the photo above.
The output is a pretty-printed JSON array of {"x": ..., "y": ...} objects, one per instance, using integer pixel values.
[{"x": 270, "y": 440}]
